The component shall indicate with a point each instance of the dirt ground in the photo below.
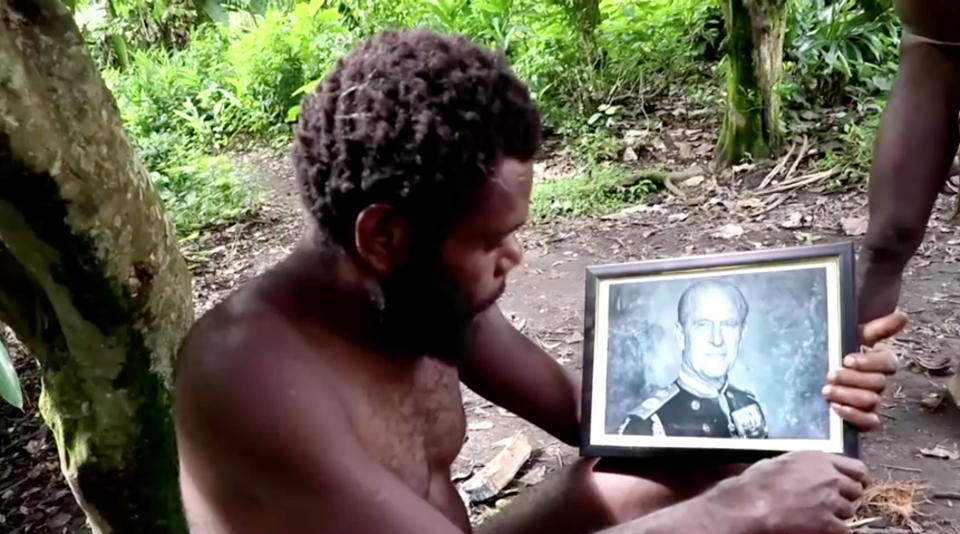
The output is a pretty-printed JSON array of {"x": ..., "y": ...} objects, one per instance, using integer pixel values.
[{"x": 545, "y": 300}]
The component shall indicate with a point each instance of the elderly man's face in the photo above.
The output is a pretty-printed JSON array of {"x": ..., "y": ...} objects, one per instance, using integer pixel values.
[{"x": 710, "y": 337}]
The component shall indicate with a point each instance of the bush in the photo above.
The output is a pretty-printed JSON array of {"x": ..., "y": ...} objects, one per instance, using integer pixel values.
[
  {"x": 178, "y": 111},
  {"x": 271, "y": 58},
  {"x": 182, "y": 107},
  {"x": 838, "y": 53},
  {"x": 243, "y": 79}
]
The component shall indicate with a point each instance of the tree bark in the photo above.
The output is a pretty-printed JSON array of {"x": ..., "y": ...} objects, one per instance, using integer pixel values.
[
  {"x": 751, "y": 124},
  {"x": 585, "y": 15},
  {"x": 90, "y": 276}
]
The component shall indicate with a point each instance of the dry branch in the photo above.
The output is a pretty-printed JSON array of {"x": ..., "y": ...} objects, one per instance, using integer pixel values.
[
  {"x": 800, "y": 182},
  {"x": 776, "y": 170},
  {"x": 796, "y": 162}
]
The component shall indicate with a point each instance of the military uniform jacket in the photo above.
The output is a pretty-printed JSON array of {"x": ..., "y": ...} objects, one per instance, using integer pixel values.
[{"x": 674, "y": 411}]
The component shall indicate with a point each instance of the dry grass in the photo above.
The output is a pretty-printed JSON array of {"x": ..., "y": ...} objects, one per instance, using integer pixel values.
[{"x": 894, "y": 501}]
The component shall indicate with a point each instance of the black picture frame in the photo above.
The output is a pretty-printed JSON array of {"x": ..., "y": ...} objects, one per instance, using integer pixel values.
[{"x": 842, "y": 253}]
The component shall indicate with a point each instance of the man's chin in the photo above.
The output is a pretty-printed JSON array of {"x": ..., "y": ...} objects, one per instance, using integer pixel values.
[{"x": 489, "y": 302}]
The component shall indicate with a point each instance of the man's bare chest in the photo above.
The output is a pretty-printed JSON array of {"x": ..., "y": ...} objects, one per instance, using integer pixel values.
[{"x": 413, "y": 426}]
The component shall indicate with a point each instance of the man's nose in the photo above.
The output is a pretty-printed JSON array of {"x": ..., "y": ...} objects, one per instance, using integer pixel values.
[{"x": 715, "y": 338}]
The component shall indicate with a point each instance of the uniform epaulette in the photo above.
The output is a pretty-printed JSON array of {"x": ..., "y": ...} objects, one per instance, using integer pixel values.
[
  {"x": 655, "y": 401},
  {"x": 743, "y": 392}
]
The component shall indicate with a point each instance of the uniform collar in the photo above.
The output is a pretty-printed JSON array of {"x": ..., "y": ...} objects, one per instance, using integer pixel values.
[{"x": 689, "y": 382}]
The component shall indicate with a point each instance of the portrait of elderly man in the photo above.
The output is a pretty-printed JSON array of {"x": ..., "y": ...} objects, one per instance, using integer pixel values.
[{"x": 701, "y": 402}]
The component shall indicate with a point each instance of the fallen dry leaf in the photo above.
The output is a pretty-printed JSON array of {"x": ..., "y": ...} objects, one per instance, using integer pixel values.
[
  {"x": 58, "y": 520},
  {"x": 575, "y": 337},
  {"x": 794, "y": 221},
  {"x": 634, "y": 138},
  {"x": 932, "y": 401},
  {"x": 854, "y": 226},
  {"x": 730, "y": 231},
  {"x": 940, "y": 452},
  {"x": 748, "y": 203}
]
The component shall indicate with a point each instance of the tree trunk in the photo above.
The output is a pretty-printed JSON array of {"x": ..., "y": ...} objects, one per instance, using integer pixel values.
[
  {"x": 751, "y": 125},
  {"x": 585, "y": 15},
  {"x": 90, "y": 276}
]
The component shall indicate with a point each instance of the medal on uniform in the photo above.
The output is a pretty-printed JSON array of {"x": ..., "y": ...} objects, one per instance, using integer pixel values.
[{"x": 749, "y": 421}]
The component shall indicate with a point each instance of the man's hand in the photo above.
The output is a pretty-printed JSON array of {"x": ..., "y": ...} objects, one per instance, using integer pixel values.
[
  {"x": 797, "y": 493},
  {"x": 854, "y": 391}
]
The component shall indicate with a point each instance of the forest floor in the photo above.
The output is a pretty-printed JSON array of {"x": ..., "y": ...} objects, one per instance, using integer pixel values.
[{"x": 712, "y": 213}]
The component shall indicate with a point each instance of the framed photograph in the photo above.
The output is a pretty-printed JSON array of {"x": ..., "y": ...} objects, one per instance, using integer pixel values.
[{"x": 723, "y": 354}]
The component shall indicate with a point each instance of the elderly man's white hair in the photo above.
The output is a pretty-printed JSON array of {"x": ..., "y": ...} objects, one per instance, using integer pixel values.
[{"x": 683, "y": 308}]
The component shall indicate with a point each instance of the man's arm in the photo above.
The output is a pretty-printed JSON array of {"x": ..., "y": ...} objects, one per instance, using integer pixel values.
[
  {"x": 915, "y": 145},
  {"x": 510, "y": 370}
]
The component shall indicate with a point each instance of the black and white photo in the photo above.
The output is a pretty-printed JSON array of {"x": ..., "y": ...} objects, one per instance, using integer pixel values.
[{"x": 719, "y": 352}]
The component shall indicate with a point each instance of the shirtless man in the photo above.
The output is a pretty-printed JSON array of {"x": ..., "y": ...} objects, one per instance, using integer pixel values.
[
  {"x": 915, "y": 146},
  {"x": 323, "y": 397}
]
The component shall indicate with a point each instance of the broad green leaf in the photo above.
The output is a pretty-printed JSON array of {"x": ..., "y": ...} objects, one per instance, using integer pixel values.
[
  {"x": 9, "y": 383},
  {"x": 215, "y": 10},
  {"x": 293, "y": 113}
]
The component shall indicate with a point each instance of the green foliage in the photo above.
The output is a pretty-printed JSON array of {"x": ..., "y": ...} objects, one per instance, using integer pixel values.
[
  {"x": 112, "y": 27},
  {"x": 838, "y": 52},
  {"x": 272, "y": 59},
  {"x": 10, "y": 390},
  {"x": 851, "y": 148},
  {"x": 188, "y": 89},
  {"x": 604, "y": 189},
  {"x": 183, "y": 107},
  {"x": 179, "y": 111}
]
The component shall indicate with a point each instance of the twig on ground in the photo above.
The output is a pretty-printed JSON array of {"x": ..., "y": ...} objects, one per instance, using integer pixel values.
[
  {"x": 901, "y": 468},
  {"x": 776, "y": 170},
  {"x": 863, "y": 522},
  {"x": 948, "y": 495},
  {"x": 772, "y": 205},
  {"x": 800, "y": 182},
  {"x": 796, "y": 162}
]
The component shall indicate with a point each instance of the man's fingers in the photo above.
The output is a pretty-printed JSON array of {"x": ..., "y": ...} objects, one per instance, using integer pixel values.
[
  {"x": 882, "y": 328},
  {"x": 851, "y": 490},
  {"x": 856, "y": 379},
  {"x": 865, "y": 421},
  {"x": 853, "y": 468},
  {"x": 873, "y": 361},
  {"x": 844, "y": 509},
  {"x": 861, "y": 399}
]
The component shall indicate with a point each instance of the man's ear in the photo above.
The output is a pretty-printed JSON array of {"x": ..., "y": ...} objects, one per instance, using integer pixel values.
[
  {"x": 382, "y": 237},
  {"x": 678, "y": 331}
]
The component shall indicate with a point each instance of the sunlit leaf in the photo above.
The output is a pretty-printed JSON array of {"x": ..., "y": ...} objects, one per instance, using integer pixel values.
[{"x": 9, "y": 383}]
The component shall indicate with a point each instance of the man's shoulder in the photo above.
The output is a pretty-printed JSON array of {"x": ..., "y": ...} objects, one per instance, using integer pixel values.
[
  {"x": 655, "y": 401},
  {"x": 234, "y": 332},
  {"x": 741, "y": 393},
  {"x": 241, "y": 350}
]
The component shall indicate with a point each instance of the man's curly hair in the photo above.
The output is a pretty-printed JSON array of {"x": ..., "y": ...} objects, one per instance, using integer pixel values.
[{"x": 412, "y": 119}]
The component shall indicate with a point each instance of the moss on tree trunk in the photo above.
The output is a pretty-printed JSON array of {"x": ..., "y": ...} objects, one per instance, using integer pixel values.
[
  {"x": 751, "y": 123},
  {"x": 90, "y": 275}
]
